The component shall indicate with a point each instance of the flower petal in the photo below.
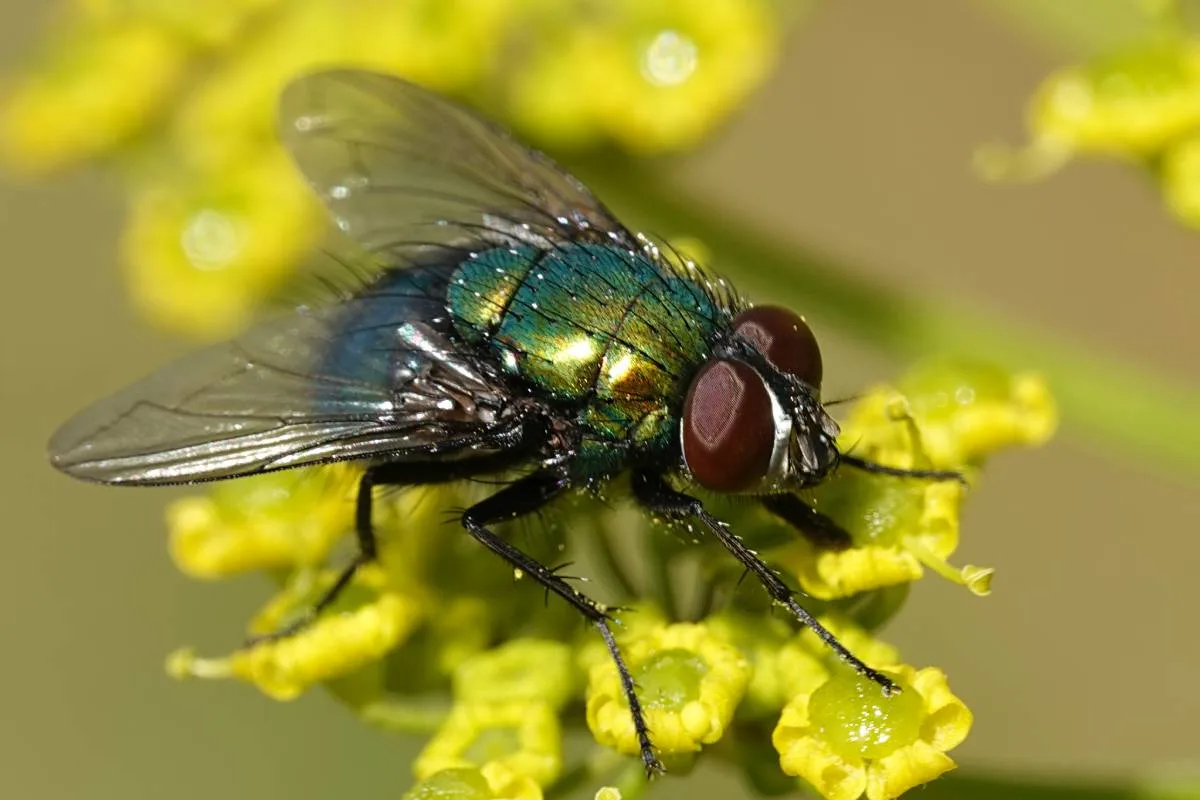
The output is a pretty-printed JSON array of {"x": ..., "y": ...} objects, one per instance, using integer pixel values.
[{"x": 893, "y": 775}]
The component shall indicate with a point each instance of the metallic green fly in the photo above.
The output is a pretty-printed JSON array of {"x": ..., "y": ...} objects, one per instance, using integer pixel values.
[{"x": 511, "y": 324}]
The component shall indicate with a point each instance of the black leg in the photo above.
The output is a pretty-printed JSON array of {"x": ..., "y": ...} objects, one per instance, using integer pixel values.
[
  {"x": 899, "y": 472},
  {"x": 819, "y": 529},
  {"x": 654, "y": 493},
  {"x": 526, "y": 496}
]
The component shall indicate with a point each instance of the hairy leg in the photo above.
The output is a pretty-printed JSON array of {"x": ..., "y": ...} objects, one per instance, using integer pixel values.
[
  {"x": 655, "y": 494},
  {"x": 526, "y": 496}
]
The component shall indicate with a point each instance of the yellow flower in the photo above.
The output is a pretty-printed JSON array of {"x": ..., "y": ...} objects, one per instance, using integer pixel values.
[
  {"x": 641, "y": 619},
  {"x": 528, "y": 670},
  {"x": 492, "y": 782},
  {"x": 98, "y": 87},
  {"x": 211, "y": 23},
  {"x": 1131, "y": 104},
  {"x": 652, "y": 74},
  {"x": 461, "y": 629},
  {"x": 447, "y": 45},
  {"x": 444, "y": 44},
  {"x": 282, "y": 519},
  {"x": 335, "y": 644},
  {"x": 203, "y": 251},
  {"x": 762, "y": 640},
  {"x": 862, "y": 643},
  {"x": 684, "y": 67},
  {"x": 1181, "y": 180},
  {"x": 552, "y": 97},
  {"x": 1128, "y": 103},
  {"x": 689, "y": 683},
  {"x": 962, "y": 410},
  {"x": 897, "y": 528},
  {"x": 232, "y": 112},
  {"x": 784, "y": 662},
  {"x": 846, "y": 738},
  {"x": 946, "y": 414},
  {"x": 523, "y": 737}
]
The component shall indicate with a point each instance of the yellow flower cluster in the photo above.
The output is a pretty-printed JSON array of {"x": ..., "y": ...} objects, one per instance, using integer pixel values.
[
  {"x": 181, "y": 94},
  {"x": 1140, "y": 104},
  {"x": 438, "y": 617}
]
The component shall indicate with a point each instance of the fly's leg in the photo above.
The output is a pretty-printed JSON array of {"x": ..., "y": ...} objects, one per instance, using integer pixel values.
[
  {"x": 819, "y": 529},
  {"x": 653, "y": 492},
  {"x": 528, "y": 495},
  {"x": 900, "y": 472},
  {"x": 418, "y": 473},
  {"x": 367, "y": 552}
]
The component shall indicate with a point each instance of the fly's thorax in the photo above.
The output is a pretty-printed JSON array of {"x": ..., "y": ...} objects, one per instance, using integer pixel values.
[
  {"x": 607, "y": 330},
  {"x": 752, "y": 420}
]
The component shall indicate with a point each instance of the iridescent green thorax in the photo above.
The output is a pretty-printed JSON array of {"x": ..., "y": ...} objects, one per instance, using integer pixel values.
[{"x": 615, "y": 332}]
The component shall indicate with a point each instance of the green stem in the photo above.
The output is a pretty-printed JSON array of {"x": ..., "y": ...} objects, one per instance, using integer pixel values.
[
  {"x": 1099, "y": 396},
  {"x": 658, "y": 571},
  {"x": 632, "y": 781},
  {"x": 597, "y": 534},
  {"x": 601, "y": 767}
]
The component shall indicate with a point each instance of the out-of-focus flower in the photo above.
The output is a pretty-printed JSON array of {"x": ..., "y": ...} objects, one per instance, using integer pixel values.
[
  {"x": 522, "y": 736},
  {"x": 285, "y": 519},
  {"x": 846, "y": 738},
  {"x": 945, "y": 415},
  {"x": 333, "y": 645},
  {"x": 1139, "y": 104},
  {"x": 95, "y": 88},
  {"x": 689, "y": 683},
  {"x": 208, "y": 23},
  {"x": 451, "y": 46},
  {"x": 205, "y": 250},
  {"x": 519, "y": 670},
  {"x": 231, "y": 113},
  {"x": 1130, "y": 104},
  {"x": 761, "y": 640},
  {"x": 962, "y": 411},
  {"x": 652, "y": 74}
]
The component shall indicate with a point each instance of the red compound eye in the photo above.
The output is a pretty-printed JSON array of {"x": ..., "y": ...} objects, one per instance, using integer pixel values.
[
  {"x": 785, "y": 339},
  {"x": 728, "y": 427}
]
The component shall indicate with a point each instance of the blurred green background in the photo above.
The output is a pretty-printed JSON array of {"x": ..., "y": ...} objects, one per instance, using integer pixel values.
[{"x": 1083, "y": 662}]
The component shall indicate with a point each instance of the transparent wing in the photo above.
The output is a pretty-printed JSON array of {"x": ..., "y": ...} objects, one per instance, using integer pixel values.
[
  {"x": 368, "y": 377},
  {"x": 400, "y": 167},
  {"x": 415, "y": 180}
]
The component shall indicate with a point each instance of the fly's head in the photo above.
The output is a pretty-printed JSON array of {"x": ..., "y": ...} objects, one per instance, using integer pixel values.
[{"x": 753, "y": 420}]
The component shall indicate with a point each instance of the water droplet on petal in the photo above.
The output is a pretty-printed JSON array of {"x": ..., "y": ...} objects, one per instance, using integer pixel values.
[
  {"x": 670, "y": 59},
  {"x": 210, "y": 239}
]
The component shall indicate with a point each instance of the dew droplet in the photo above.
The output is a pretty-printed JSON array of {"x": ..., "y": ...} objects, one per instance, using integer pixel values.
[
  {"x": 210, "y": 239},
  {"x": 670, "y": 59}
]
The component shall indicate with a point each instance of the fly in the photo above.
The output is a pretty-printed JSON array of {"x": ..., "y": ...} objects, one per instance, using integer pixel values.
[{"x": 506, "y": 321}]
